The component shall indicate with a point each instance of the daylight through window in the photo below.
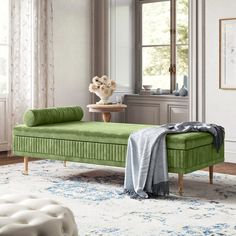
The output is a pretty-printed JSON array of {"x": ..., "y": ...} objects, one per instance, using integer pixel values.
[{"x": 163, "y": 43}]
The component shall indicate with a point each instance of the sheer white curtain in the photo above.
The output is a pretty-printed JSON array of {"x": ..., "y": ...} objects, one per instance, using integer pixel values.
[{"x": 32, "y": 77}]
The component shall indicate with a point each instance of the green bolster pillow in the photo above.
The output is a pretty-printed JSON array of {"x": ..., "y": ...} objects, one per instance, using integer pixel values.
[{"x": 36, "y": 117}]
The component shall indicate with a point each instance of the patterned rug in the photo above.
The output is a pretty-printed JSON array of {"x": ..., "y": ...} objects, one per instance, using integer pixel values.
[{"x": 94, "y": 194}]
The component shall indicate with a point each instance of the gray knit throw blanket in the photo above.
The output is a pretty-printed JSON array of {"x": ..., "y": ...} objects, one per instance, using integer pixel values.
[{"x": 146, "y": 172}]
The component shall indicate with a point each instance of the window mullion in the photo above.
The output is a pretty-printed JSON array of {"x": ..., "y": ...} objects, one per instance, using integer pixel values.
[
  {"x": 138, "y": 41},
  {"x": 173, "y": 46}
]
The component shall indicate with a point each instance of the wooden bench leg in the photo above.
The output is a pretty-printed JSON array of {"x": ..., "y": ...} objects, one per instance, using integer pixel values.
[
  {"x": 211, "y": 174},
  {"x": 64, "y": 163},
  {"x": 26, "y": 166},
  {"x": 181, "y": 183}
]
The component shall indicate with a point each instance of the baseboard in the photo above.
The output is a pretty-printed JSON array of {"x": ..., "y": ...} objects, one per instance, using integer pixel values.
[{"x": 230, "y": 157}]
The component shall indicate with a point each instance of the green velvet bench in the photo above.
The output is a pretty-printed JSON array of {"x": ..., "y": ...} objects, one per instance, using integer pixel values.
[{"x": 63, "y": 138}]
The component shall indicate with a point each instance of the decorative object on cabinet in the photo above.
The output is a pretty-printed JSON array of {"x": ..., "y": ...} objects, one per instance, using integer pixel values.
[
  {"x": 159, "y": 91},
  {"x": 227, "y": 58},
  {"x": 176, "y": 91},
  {"x": 183, "y": 91},
  {"x": 147, "y": 87},
  {"x": 146, "y": 92},
  {"x": 118, "y": 99},
  {"x": 186, "y": 81},
  {"x": 103, "y": 87}
]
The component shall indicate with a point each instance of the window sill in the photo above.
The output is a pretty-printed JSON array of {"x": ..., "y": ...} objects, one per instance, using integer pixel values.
[
  {"x": 160, "y": 96},
  {"x": 157, "y": 95}
]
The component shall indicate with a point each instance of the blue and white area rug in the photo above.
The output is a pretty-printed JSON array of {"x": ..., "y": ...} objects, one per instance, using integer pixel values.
[{"x": 93, "y": 194}]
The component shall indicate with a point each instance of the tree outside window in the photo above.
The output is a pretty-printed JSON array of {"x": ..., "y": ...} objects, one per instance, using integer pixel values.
[{"x": 164, "y": 43}]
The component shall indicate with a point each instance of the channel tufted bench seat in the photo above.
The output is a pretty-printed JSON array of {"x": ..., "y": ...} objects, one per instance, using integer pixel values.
[
  {"x": 106, "y": 144},
  {"x": 27, "y": 215}
]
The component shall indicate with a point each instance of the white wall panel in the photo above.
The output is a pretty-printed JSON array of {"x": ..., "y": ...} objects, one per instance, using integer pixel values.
[
  {"x": 177, "y": 113},
  {"x": 72, "y": 52},
  {"x": 220, "y": 104},
  {"x": 156, "y": 109},
  {"x": 122, "y": 44},
  {"x": 4, "y": 131}
]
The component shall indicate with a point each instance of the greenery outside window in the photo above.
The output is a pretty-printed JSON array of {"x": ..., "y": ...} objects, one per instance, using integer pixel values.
[{"x": 162, "y": 43}]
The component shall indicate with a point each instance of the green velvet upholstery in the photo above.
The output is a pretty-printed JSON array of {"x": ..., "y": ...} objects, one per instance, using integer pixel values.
[
  {"x": 189, "y": 160},
  {"x": 106, "y": 144},
  {"x": 82, "y": 131},
  {"x": 109, "y": 133},
  {"x": 53, "y": 115},
  {"x": 188, "y": 140}
]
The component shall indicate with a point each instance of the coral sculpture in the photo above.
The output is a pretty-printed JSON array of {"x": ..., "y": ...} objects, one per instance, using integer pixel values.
[{"x": 103, "y": 87}]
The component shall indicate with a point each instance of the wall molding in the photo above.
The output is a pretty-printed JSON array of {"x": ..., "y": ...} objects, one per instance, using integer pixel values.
[
  {"x": 154, "y": 98},
  {"x": 153, "y": 110},
  {"x": 230, "y": 149},
  {"x": 197, "y": 62},
  {"x": 171, "y": 108},
  {"x": 230, "y": 156},
  {"x": 230, "y": 140},
  {"x": 5, "y": 124}
]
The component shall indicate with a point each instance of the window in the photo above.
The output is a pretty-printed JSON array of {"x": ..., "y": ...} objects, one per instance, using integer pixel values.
[
  {"x": 162, "y": 43},
  {"x": 4, "y": 46}
]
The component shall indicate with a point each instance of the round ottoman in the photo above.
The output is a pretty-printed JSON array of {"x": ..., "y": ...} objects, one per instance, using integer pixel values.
[{"x": 27, "y": 215}]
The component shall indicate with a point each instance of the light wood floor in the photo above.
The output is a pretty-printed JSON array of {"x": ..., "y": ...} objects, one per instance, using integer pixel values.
[{"x": 225, "y": 168}]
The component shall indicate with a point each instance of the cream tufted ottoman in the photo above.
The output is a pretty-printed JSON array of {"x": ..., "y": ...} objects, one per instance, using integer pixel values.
[{"x": 27, "y": 215}]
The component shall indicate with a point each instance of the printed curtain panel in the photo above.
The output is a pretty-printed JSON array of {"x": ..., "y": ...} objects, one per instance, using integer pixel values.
[{"x": 32, "y": 69}]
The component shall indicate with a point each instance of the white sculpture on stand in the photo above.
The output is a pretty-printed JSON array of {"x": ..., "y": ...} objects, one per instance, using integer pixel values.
[{"x": 103, "y": 87}]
